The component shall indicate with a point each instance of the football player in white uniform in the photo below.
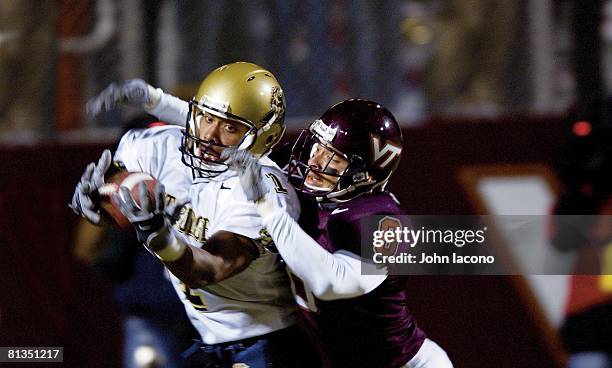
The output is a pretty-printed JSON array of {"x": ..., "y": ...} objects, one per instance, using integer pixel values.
[{"x": 234, "y": 289}]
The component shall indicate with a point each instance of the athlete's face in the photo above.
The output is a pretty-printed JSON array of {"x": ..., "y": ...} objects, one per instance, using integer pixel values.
[
  {"x": 327, "y": 159},
  {"x": 217, "y": 130}
]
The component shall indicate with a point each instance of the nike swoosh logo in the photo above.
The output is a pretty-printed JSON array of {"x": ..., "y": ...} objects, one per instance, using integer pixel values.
[
  {"x": 223, "y": 186},
  {"x": 339, "y": 210}
]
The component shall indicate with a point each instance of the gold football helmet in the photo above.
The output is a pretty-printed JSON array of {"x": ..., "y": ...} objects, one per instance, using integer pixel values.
[{"x": 242, "y": 92}]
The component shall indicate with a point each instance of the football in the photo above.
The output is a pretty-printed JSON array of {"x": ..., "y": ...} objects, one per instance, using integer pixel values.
[{"x": 129, "y": 180}]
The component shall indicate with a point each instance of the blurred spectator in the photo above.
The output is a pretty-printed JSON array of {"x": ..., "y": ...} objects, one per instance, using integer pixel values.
[
  {"x": 27, "y": 48},
  {"x": 474, "y": 67}
]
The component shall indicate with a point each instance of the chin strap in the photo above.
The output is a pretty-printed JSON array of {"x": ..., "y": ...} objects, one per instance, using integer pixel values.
[{"x": 360, "y": 179}]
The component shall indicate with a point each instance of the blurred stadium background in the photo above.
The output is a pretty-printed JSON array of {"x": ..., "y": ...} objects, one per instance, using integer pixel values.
[{"x": 504, "y": 106}]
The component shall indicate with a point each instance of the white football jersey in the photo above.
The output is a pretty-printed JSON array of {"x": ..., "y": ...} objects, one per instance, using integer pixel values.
[{"x": 257, "y": 300}]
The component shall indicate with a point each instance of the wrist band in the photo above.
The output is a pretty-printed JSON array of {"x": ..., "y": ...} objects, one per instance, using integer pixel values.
[
  {"x": 165, "y": 246},
  {"x": 155, "y": 95}
]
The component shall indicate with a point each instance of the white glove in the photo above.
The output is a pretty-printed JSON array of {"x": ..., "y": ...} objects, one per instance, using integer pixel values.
[
  {"x": 133, "y": 92},
  {"x": 148, "y": 218},
  {"x": 152, "y": 220},
  {"x": 256, "y": 188},
  {"x": 92, "y": 179}
]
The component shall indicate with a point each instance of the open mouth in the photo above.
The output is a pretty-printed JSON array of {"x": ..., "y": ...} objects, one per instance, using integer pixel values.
[
  {"x": 317, "y": 181},
  {"x": 314, "y": 178},
  {"x": 210, "y": 153}
]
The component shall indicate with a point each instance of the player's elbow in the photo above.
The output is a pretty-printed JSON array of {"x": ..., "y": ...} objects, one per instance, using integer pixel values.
[
  {"x": 194, "y": 283},
  {"x": 200, "y": 280},
  {"x": 334, "y": 291},
  {"x": 205, "y": 277},
  {"x": 349, "y": 286},
  {"x": 213, "y": 273}
]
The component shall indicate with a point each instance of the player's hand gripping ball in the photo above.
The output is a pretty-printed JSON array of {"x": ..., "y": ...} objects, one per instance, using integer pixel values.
[{"x": 129, "y": 180}]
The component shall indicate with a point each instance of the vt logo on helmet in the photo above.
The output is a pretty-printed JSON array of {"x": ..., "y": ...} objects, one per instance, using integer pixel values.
[
  {"x": 352, "y": 149},
  {"x": 237, "y": 105}
]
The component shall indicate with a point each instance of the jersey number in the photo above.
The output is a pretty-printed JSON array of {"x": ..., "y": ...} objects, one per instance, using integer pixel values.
[
  {"x": 385, "y": 224},
  {"x": 195, "y": 297},
  {"x": 278, "y": 186}
]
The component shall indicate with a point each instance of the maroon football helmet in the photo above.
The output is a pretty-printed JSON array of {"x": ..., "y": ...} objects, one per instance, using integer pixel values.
[{"x": 362, "y": 132}]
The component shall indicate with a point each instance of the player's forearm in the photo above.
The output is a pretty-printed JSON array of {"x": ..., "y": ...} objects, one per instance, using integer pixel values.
[
  {"x": 225, "y": 255},
  {"x": 194, "y": 270},
  {"x": 329, "y": 275},
  {"x": 168, "y": 108},
  {"x": 195, "y": 267}
]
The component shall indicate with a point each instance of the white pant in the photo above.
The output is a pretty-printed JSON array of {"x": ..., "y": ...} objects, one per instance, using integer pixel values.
[{"x": 430, "y": 355}]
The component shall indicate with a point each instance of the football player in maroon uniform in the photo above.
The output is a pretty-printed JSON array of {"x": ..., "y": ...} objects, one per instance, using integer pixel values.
[{"x": 342, "y": 164}]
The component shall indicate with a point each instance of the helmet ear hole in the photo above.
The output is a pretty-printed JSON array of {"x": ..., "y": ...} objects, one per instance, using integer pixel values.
[{"x": 270, "y": 139}]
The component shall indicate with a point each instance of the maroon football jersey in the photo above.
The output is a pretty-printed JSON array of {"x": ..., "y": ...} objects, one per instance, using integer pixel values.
[{"x": 375, "y": 329}]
